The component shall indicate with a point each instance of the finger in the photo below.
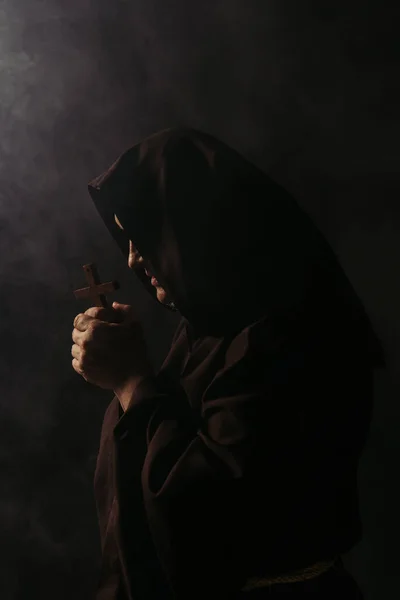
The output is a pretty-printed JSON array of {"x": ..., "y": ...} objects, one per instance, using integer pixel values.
[
  {"x": 78, "y": 336},
  {"x": 85, "y": 360},
  {"x": 97, "y": 335},
  {"x": 80, "y": 371},
  {"x": 76, "y": 351},
  {"x": 76, "y": 367},
  {"x": 126, "y": 312},
  {"x": 82, "y": 321},
  {"x": 104, "y": 314}
]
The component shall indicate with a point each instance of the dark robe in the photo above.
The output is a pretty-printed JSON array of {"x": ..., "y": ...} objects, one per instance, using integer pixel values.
[{"x": 239, "y": 458}]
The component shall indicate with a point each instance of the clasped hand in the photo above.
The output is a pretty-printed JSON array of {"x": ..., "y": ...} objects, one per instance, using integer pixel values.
[{"x": 109, "y": 348}]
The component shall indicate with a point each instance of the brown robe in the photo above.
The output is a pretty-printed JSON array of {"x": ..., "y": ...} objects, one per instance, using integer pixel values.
[
  {"x": 240, "y": 457},
  {"x": 239, "y": 460}
]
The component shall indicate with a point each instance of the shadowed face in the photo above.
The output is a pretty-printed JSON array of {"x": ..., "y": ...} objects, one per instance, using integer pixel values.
[{"x": 136, "y": 261}]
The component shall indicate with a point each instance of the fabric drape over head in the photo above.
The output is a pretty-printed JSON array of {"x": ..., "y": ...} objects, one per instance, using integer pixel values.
[{"x": 227, "y": 243}]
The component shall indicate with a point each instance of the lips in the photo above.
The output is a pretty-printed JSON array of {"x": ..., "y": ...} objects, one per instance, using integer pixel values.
[{"x": 153, "y": 280}]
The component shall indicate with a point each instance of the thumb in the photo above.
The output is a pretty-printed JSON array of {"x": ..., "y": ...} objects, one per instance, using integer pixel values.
[{"x": 125, "y": 310}]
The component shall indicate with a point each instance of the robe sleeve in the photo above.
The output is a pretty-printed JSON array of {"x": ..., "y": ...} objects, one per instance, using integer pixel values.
[{"x": 199, "y": 473}]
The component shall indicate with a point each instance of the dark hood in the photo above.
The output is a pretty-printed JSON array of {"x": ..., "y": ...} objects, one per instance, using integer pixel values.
[{"x": 227, "y": 243}]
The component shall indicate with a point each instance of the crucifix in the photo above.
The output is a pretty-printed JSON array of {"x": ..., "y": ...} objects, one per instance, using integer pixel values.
[{"x": 96, "y": 291}]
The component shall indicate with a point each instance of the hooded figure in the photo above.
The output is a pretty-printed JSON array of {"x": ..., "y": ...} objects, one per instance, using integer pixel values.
[{"x": 233, "y": 474}]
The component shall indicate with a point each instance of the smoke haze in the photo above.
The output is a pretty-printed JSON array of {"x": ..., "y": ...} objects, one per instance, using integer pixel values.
[{"x": 304, "y": 89}]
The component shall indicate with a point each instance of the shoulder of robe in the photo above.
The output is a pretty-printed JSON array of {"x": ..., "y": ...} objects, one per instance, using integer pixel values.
[{"x": 264, "y": 338}]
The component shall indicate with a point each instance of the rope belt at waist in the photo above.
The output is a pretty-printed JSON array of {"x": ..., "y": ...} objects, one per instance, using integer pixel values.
[{"x": 299, "y": 575}]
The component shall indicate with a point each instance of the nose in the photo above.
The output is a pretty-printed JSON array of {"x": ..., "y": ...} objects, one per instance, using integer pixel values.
[{"x": 134, "y": 259}]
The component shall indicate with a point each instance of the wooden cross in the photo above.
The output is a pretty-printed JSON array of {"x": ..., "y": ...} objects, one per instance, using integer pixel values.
[{"x": 96, "y": 291}]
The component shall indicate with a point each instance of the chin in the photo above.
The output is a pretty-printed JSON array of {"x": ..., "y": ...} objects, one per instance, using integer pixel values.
[{"x": 161, "y": 295}]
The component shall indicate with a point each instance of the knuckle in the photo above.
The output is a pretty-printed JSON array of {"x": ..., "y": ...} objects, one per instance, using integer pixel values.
[
  {"x": 99, "y": 329},
  {"x": 91, "y": 330},
  {"x": 93, "y": 335},
  {"x": 86, "y": 359},
  {"x": 77, "y": 319},
  {"x": 95, "y": 312}
]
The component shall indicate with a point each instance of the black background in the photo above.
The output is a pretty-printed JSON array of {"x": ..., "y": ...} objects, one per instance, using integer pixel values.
[{"x": 304, "y": 89}]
